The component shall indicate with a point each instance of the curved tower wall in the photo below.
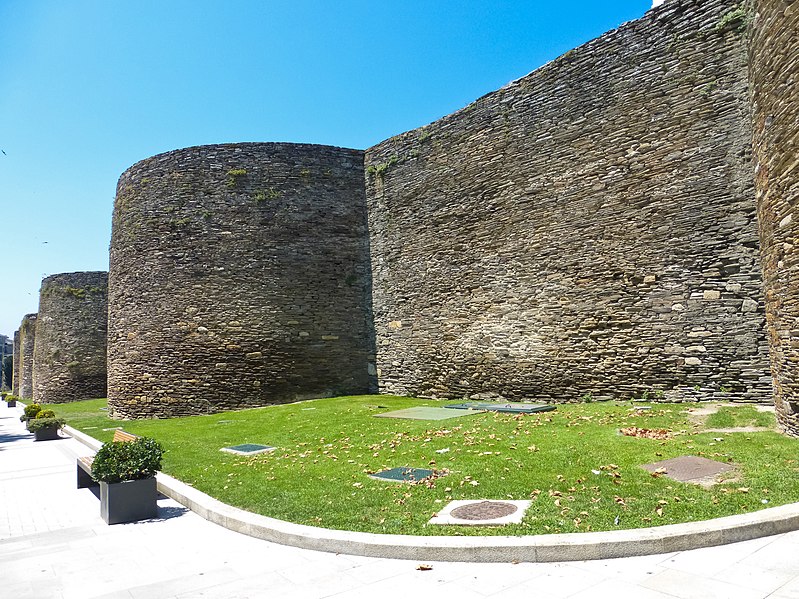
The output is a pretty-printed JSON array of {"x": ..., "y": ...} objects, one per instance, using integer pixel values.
[
  {"x": 774, "y": 73},
  {"x": 15, "y": 373},
  {"x": 27, "y": 338},
  {"x": 588, "y": 230},
  {"x": 69, "y": 359},
  {"x": 239, "y": 276}
]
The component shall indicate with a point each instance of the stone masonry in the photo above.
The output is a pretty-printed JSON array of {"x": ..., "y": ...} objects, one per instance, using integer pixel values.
[
  {"x": 774, "y": 56},
  {"x": 15, "y": 373},
  {"x": 69, "y": 359},
  {"x": 27, "y": 337},
  {"x": 591, "y": 230},
  {"x": 588, "y": 230},
  {"x": 239, "y": 276}
]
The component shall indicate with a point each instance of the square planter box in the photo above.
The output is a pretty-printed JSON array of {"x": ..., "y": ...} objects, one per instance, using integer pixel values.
[
  {"x": 12, "y": 404},
  {"x": 128, "y": 501},
  {"x": 47, "y": 434}
]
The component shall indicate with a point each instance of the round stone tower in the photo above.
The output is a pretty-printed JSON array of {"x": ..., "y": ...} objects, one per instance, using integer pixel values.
[
  {"x": 239, "y": 276},
  {"x": 27, "y": 338},
  {"x": 69, "y": 360},
  {"x": 774, "y": 81}
]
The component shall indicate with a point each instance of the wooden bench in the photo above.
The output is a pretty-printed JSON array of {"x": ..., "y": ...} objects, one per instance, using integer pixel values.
[{"x": 84, "y": 463}]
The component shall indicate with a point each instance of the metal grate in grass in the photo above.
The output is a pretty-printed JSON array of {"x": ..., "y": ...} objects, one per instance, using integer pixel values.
[
  {"x": 248, "y": 449},
  {"x": 481, "y": 512},
  {"x": 403, "y": 475}
]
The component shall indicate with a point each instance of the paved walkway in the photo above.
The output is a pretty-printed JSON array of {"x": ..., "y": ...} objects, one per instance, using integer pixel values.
[{"x": 53, "y": 543}]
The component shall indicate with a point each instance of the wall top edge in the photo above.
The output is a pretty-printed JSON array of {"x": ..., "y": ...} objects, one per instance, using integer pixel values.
[{"x": 274, "y": 146}]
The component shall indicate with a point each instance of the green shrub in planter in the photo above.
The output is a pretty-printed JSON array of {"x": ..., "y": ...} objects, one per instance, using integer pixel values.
[
  {"x": 127, "y": 460},
  {"x": 46, "y": 414},
  {"x": 31, "y": 410},
  {"x": 37, "y": 424}
]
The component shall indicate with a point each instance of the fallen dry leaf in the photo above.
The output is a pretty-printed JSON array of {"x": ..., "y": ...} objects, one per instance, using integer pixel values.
[
  {"x": 646, "y": 433},
  {"x": 658, "y": 473},
  {"x": 424, "y": 567}
]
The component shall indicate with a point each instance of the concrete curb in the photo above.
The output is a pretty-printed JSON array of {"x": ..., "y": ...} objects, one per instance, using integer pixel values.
[{"x": 538, "y": 548}]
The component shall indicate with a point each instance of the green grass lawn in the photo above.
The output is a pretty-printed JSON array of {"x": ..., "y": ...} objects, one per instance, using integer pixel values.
[
  {"x": 738, "y": 416},
  {"x": 580, "y": 472}
]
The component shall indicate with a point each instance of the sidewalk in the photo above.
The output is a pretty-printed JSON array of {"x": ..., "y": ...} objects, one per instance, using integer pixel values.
[{"x": 53, "y": 543}]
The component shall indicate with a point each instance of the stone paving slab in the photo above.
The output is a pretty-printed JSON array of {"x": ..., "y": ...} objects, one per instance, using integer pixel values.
[
  {"x": 426, "y": 413},
  {"x": 690, "y": 468}
]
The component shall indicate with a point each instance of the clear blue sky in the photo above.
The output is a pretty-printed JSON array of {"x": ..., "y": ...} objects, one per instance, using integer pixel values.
[{"x": 89, "y": 87}]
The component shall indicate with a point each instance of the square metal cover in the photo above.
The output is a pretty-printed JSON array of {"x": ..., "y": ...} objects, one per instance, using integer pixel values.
[
  {"x": 512, "y": 408},
  {"x": 422, "y": 413},
  {"x": 403, "y": 475},
  {"x": 248, "y": 449}
]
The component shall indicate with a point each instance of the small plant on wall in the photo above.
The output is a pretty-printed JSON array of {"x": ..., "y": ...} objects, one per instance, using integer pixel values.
[
  {"x": 737, "y": 19},
  {"x": 267, "y": 195},
  {"x": 379, "y": 170},
  {"x": 235, "y": 176}
]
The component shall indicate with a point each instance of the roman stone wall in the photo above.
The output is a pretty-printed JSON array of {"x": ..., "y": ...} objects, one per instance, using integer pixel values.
[
  {"x": 15, "y": 372},
  {"x": 69, "y": 358},
  {"x": 588, "y": 230},
  {"x": 239, "y": 276},
  {"x": 774, "y": 56},
  {"x": 27, "y": 338}
]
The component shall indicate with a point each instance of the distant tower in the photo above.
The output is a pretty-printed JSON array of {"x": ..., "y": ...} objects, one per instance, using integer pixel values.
[
  {"x": 27, "y": 337},
  {"x": 6, "y": 351},
  {"x": 15, "y": 381},
  {"x": 69, "y": 360}
]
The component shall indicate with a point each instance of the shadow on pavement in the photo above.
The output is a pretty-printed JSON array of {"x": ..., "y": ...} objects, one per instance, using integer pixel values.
[
  {"x": 10, "y": 437},
  {"x": 169, "y": 512}
]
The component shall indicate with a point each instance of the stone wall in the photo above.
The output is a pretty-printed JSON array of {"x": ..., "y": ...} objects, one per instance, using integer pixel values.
[
  {"x": 239, "y": 276},
  {"x": 15, "y": 373},
  {"x": 587, "y": 229},
  {"x": 774, "y": 56},
  {"x": 69, "y": 359},
  {"x": 27, "y": 339}
]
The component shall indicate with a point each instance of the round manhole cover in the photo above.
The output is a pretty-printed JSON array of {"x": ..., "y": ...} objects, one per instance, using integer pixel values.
[{"x": 484, "y": 510}]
